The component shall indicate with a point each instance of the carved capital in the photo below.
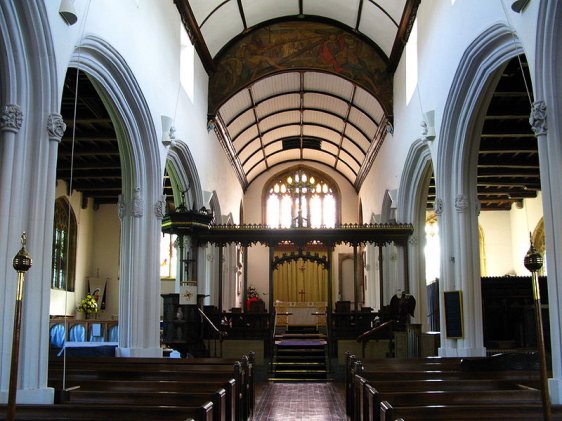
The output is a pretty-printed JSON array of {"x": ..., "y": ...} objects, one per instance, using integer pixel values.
[
  {"x": 55, "y": 127},
  {"x": 11, "y": 118},
  {"x": 413, "y": 240},
  {"x": 461, "y": 203},
  {"x": 160, "y": 207},
  {"x": 121, "y": 207},
  {"x": 438, "y": 206},
  {"x": 137, "y": 210},
  {"x": 537, "y": 119}
]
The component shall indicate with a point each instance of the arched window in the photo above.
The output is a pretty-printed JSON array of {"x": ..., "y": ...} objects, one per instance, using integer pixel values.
[
  {"x": 301, "y": 198},
  {"x": 64, "y": 246}
]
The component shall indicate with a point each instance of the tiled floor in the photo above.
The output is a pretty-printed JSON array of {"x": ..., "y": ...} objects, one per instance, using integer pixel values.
[{"x": 300, "y": 402}]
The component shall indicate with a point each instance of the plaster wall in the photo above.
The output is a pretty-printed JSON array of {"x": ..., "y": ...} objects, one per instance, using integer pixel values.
[
  {"x": 523, "y": 222},
  {"x": 496, "y": 227}
]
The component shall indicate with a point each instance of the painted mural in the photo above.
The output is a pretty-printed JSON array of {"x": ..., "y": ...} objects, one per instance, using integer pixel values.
[{"x": 299, "y": 45}]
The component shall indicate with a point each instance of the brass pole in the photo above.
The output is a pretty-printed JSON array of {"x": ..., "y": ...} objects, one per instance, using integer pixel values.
[
  {"x": 21, "y": 263},
  {"x": 533, "y": 262}
]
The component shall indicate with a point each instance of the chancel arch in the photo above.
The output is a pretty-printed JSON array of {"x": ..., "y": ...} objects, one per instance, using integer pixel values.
[{"x": 296, "y": 44}]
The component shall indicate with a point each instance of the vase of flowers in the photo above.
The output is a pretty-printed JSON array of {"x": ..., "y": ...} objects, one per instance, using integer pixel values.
[
  {"x": 251, "y": 296},
  {"x": 88, "y": 305}
]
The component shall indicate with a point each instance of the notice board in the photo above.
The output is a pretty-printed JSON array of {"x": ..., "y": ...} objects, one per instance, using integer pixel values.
[{"x": 453, "y": 314}]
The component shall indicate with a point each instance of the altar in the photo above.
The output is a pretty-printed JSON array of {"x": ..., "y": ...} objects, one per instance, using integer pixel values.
[{"x": 292, "y": 313}]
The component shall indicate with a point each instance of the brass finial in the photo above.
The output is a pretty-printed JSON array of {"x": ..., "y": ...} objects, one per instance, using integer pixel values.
[
  {"x": 533, "y": 260},
  {"x": 22, "y": 260}
]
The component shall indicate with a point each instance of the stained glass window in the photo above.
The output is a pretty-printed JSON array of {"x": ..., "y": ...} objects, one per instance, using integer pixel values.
[
  {"x": 301, "y": 199},
  {"x": 64, "y": 246}
]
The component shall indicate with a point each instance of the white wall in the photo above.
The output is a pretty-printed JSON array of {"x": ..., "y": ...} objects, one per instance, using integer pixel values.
[
  {"x": 523, "y": 222},
  {"x": 104, "y": 262},
  {"x": 506, "y": 237},
  {"x": 496, "y": 226}
]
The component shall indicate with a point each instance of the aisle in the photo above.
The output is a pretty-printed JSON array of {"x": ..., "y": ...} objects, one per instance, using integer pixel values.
[{"x": 300, "y": 402}]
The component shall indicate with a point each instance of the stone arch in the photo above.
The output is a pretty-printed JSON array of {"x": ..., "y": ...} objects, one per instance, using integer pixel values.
[
  {"x": 455, "y": 173},
  {"x": 412, "y": 203},
  {"x": 181, "y": 160},
  {"x": 141, "y": 191}
]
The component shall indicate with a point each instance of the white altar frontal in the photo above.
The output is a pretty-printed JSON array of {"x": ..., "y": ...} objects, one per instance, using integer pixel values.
[{"x": 292, "y": 313}]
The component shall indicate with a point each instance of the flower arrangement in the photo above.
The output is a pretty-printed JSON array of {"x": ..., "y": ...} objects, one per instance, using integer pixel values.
[
  {"x": 253, "y": 292},
  {"x": 88, "y": 305}
]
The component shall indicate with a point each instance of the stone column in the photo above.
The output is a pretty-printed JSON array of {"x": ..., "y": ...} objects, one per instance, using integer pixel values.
[
  {"x": 11, "y": 119},
  {"x": 458, "y": 225},
  {"x": 139, "y": 289},
  {"x": 550, "y": 155}
]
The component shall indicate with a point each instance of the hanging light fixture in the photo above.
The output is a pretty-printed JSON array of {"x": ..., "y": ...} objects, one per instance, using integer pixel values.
[
  {"x": 68, "y": 12},
  {"x": 519, "y": 5}
]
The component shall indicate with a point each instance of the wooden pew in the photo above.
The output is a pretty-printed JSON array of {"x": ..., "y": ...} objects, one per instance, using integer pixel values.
[
  {"x": 111, "y": 412},
  {"x": 527, "y": 412},
  {"x": 373, "y": 399},
  {"x": 190, "y": 398},
  {"x": 389, "y": 376},
  {"x": 151, "y": 375},
  {"x": 355, "y": 366}
]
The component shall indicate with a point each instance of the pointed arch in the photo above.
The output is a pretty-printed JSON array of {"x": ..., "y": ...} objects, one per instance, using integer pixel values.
[
  {"x": 412, "y": 205},
  {"x": 139, "y": 333},
  {"x": 185, "y": 171},
  {"x": 463, "y": 114}
]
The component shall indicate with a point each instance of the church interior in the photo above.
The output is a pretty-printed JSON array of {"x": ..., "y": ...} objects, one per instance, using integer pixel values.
[{"x": 264, "y": 210}]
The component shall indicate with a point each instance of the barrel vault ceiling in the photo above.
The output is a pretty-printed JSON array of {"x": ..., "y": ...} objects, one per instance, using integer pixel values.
[{"x": 303, "y": 114}]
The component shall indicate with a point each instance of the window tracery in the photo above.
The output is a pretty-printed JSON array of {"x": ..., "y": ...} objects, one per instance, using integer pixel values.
[{"x": 301, "y": 198}]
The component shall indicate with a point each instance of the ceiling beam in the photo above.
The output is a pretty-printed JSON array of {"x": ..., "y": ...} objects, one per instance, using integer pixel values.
[
  {"x": 195, "y": 35},
  {"x": 403, "y": 33}
]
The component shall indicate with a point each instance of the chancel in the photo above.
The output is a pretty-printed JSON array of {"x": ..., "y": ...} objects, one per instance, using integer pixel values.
[{"x": 239, "y": 200}]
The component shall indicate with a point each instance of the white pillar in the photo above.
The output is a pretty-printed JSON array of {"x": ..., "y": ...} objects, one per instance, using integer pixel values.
[
  {"x": 139, "y": 295},
  {"x": 550, "y": 153},
  {"x": 11, "y": 118}
]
